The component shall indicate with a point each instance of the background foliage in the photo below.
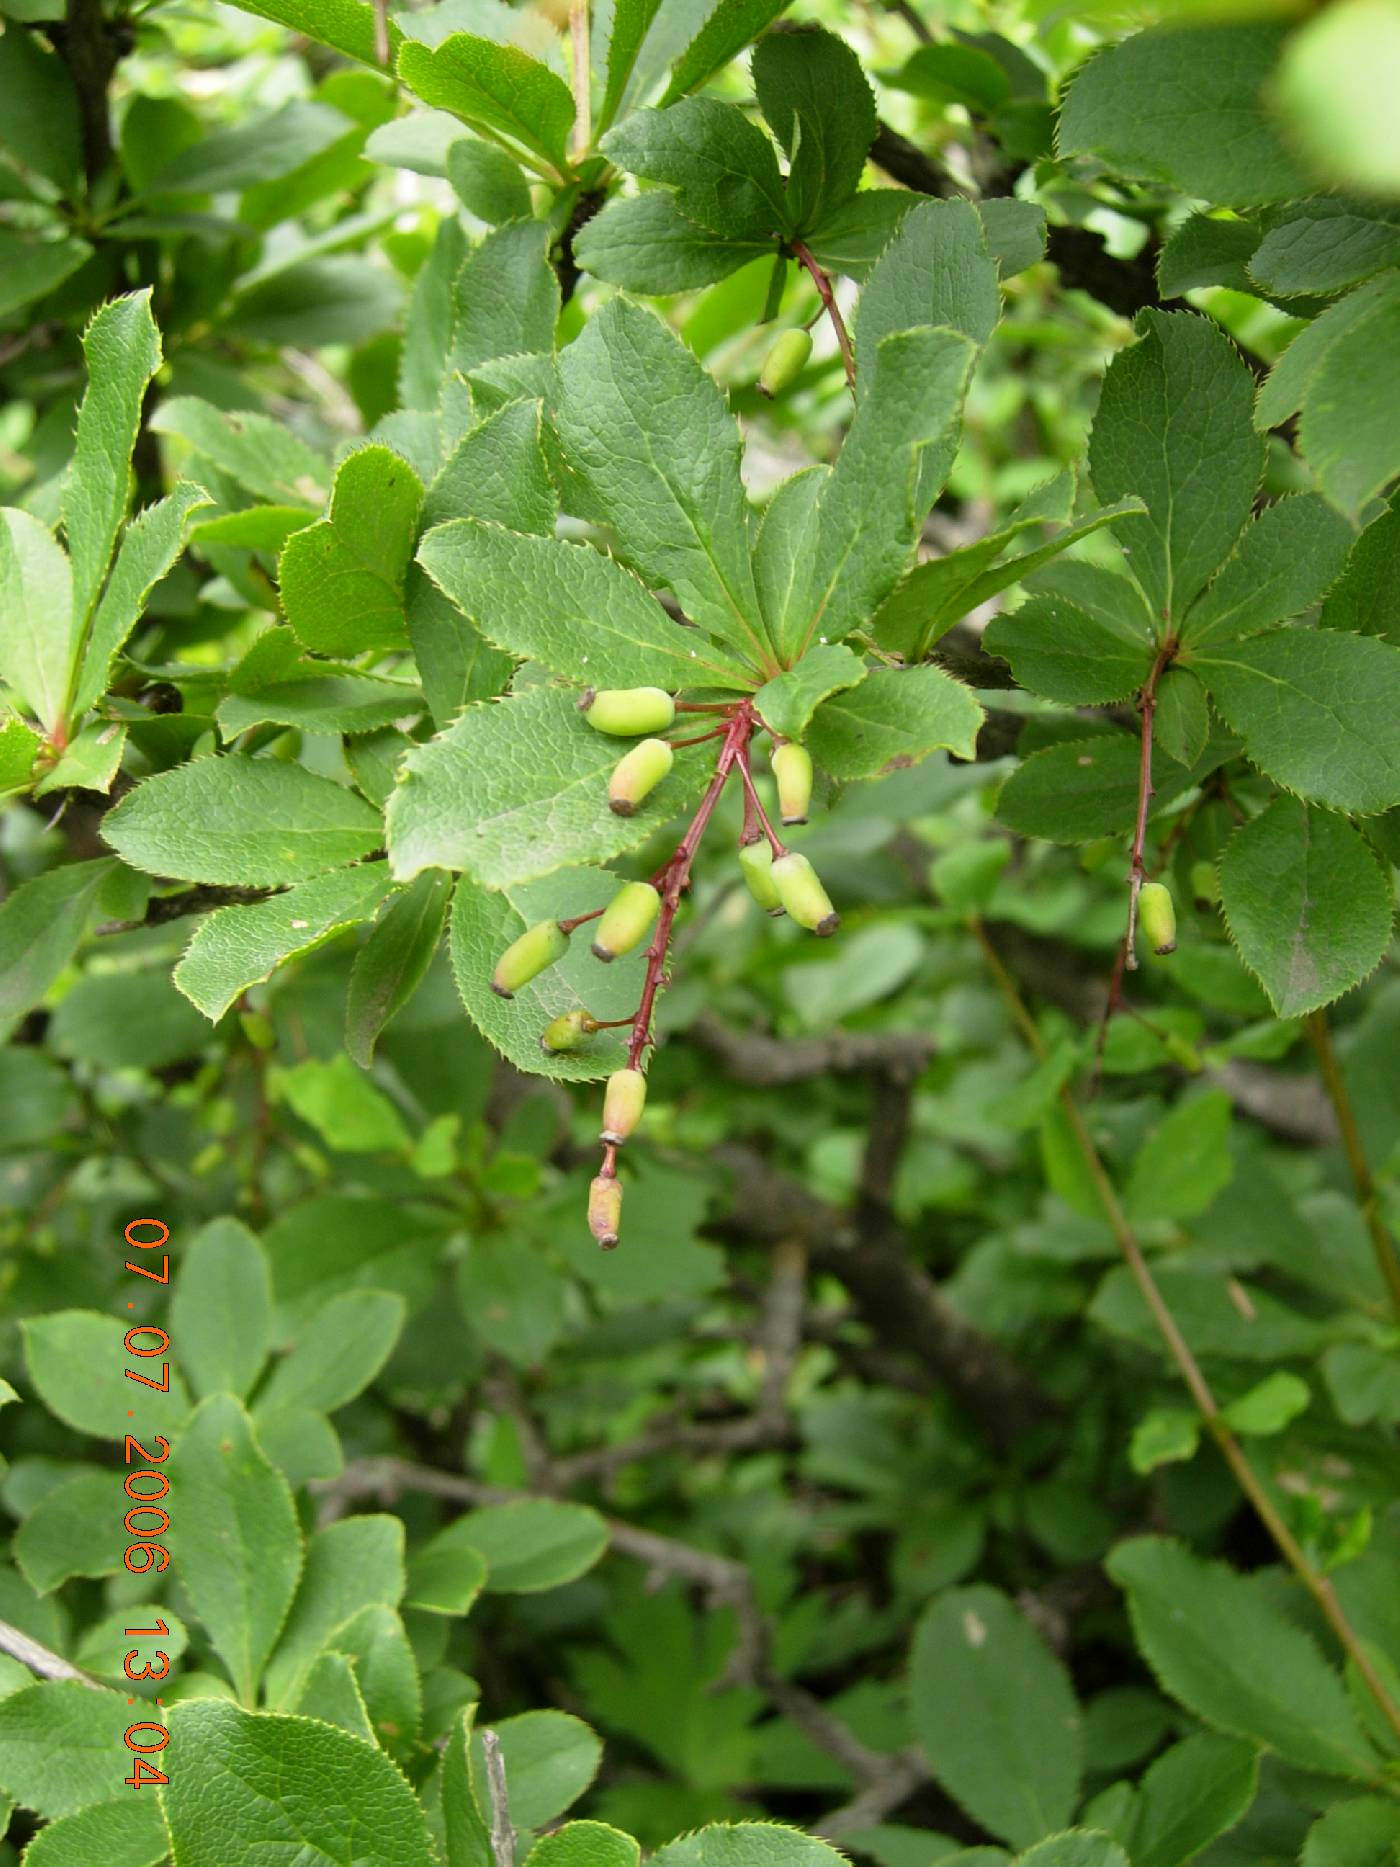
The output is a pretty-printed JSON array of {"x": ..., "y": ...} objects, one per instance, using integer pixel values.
[{"x": 981, "y": 1447}]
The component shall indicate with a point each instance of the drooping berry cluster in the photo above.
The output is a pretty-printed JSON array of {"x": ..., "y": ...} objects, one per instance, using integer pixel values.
[{"x": 781, "y": 880}]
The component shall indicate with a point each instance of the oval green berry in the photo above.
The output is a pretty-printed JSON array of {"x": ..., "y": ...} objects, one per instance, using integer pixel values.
[
  {"x": 623, "y": 1101},
  {"x": 628, "y": 712},
  {"x": 605, "y": 1210},
  {"x": 792, "y": 767},
  {"x": 567, "y": 1031},
  {"x": 801, "y": 893},
  {"x": 785, "y": 362},
  {"x": 756, "y": 860},
  {"x": 1157, "y": 916},
  {"x": 627, "y": 920},
  {"x": 1205, "y": 884},
  {"x": 637, "y": 774},
  {"x": 524, "y": 959}
]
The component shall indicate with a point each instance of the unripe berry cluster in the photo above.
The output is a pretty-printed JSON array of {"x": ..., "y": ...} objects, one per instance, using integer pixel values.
[{"x": 782, "y": 881}]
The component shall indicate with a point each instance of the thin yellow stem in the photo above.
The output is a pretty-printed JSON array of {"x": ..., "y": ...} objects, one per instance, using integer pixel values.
[
  {"x": 1388, "y": 1263},
  {"x": 1318, "y": 1586},
  {"x": 578, "y": 40}
]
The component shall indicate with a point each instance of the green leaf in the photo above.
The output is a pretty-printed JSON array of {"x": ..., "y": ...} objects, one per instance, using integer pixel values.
[
  {"x": 236, "y": 947},
  {"x": 1186, "y": 105},
  {"x": 19, "y": 744},
  {"x": 867, "y": 515},
  {"x": 40, "y": 925},
  {"x": 746, "y": 1844},
  {"x": 391, "y": 964},
  {"x": 41, "y": 126},
  {"x": 42, "y": 630},
  {"x": 90, "y": 762},
  {"x": 1066, "y": 654},
  {"x": 570, "y": 608},
  {"x": 644, "y": 243},
  {"x": 58, "y": 1743},
  {"x": 238, "y": 1543},
  {"x": 337, "y": 1242},
  {"x": 432, "y": 310},
  {"x": 1364, "y": 1383},
  {"x": 1185, "y": 1162},
  {"x": 529, "y": 1546},
  {"x": 263, "y": 455},
  {"x": 72, "y": 1530},
  {"x": 1270, "y": 1405},
  {"x": 1016, "y": 233},
  {"x": 276, "y": 683},
  {"x": 936, "y": 270},
  {"x": 1306, "y": 904},
  {"x": 721, "y": 166},
  {"x": 1324, "y": 245},
  {"x": 672, "y": 493},
  {"x": 350, "y": 1565},
  {"x": 497, "y": 472},
  {"x": 1087, "y": 788},
  {"x": 348, "y": 25},
  {"x": 1283, "y": 563},
  {"x": 819, "y": 105},
  {"x": 241, "y": 820},
  {"x": 457, "y": 665},
  {"x": 1292, "y": 378},
  {"x": 1206, "y": 251},
  {"x": 342, "y": 578},
  {"x": 122, "y": 350},
  {"x": 958, "y": 74},
  {"x": 1218, "y": 1644},
  {"x": 77, "y": 1362},
  {"x": 1181, "y": 723},
  {"x": 893, "y": 720},
  {"x": 550, "y": 1758},
  {"x": 728, "y": 27},
  {"x": 487, "y": 181},
  {"x": 376, "y": 1643},
  {"x": 1351, "y": 410},
  {"x": 506, "y": 295},
  {"x": 332, "y": 1694},
  {"x": 222, "y": 1273},
  {"x": 497, "y": 89},
  {"x": 516, "y": 790},
  {"x": 926, "y": 603},
  {"x": 1365, "y": 599},
  {"x": 445, "y": 1581},
  {"x": 858, "y": 233},
  {"x": 271, "y": 146},
  {"x": 1174, "y": 426},
  {"x": 149, "y": 547},
  {"x": 1077, "y": 1847},
  {"x": 31, "y": 269},
  {"x": 338, "y": 1354},
  {"x": 1317, "y": 711},
  {"x": 995, "y": 1715},
  {"x": 1363, "y": 1832},
  {"x": 485, "y": 924},
  {"x": 344, "y": 1107},
  {"x": 625, "y": 25},
  {"x": 1165, "y": 1436},
  {"x": 119, "y": 1834},
  {"x": 1208, "y": 1314},
  {"x": 788, "y": 701},
  {"x": 586, "y": 1844},
  {"x": 244, "y": 1784}
]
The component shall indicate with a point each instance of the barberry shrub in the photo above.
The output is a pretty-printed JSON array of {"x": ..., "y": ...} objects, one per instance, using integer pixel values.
[{"x": 844, "y": 600}]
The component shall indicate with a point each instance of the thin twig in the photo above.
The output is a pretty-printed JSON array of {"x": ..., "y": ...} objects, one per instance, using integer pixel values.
[
  {"x": 502, "y": 1834},
  {"x": 578, "y": 40},
  {"x": 1320, "y": 1037},
  {"x": 822, "y": 281},
  {"x": 40, "y": 1659},
  {"x": 1318, "y": 1586}
]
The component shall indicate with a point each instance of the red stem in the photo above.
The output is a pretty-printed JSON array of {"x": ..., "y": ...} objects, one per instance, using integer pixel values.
[
  {"x": 819, "y": 278},
  {"x": 754, "y": 803},
  {"x": 579, "y": 920}
]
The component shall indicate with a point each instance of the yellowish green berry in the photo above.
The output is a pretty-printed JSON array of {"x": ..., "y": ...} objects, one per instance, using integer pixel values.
[
  {"x": 802, "y": 895},
  {"x": 524, "y": 959},
  {"x": 623, "y": 1102},
  {"x": 628, "y": 712},
  {"x": 637, "y": 774},
  {"x": 627, "y": 920}
]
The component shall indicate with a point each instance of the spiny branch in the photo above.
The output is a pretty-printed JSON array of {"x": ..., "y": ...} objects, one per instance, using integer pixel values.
[
  {"x": 1319, "y": 1586},
  {"x": 1387, "y": 1262},
  {"x": 822, "y": 281}
]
